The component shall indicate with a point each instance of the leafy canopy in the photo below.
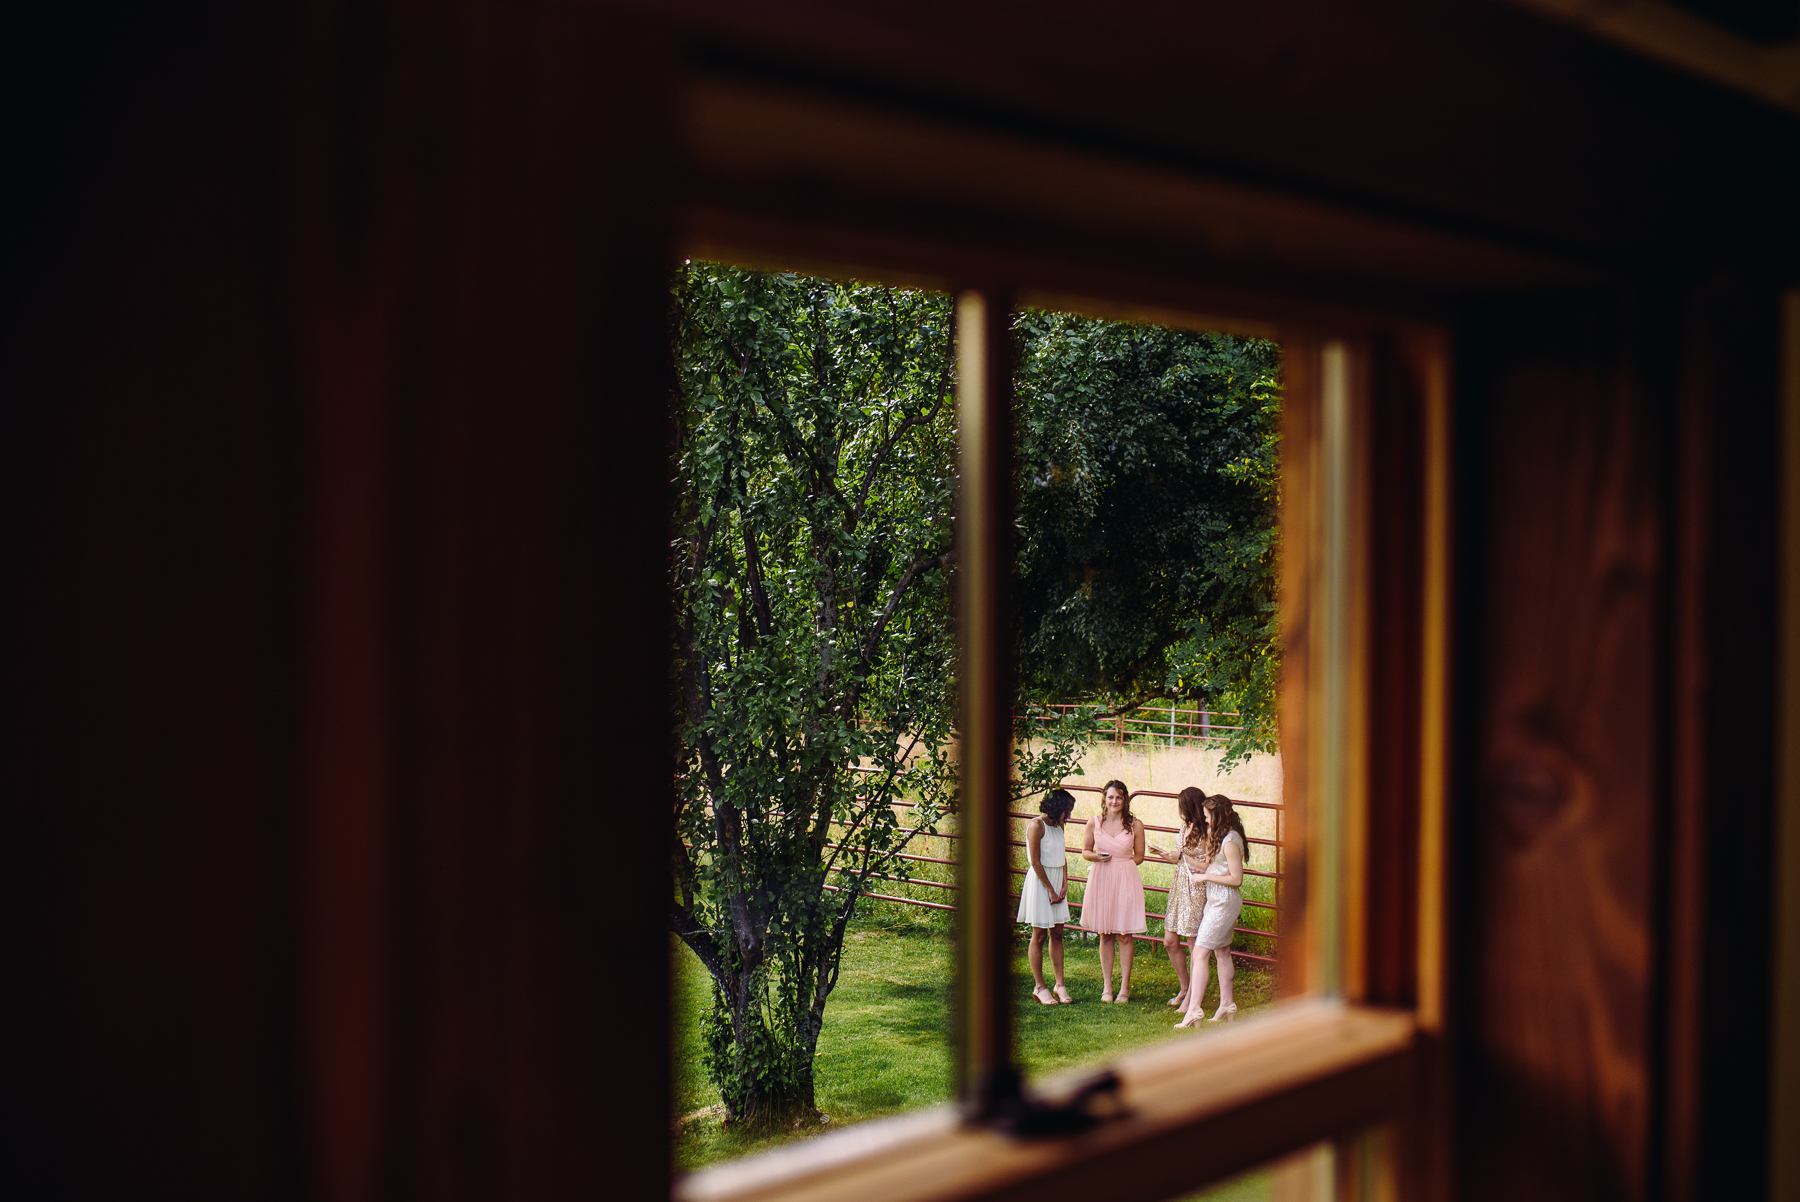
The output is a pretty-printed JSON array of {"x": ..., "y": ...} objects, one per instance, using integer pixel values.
[{"x": 1148, "y": 463}]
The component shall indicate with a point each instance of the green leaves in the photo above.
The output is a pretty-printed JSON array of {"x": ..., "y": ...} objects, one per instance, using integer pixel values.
[
  {"x": 1148, "y": 472},
  {"x": 814, "y": 467}
]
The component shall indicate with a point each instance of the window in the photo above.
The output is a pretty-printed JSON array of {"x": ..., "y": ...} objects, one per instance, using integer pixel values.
[{"x": 1365, "y": 528}]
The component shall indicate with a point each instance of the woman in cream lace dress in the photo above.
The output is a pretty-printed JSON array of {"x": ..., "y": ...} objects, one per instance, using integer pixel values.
[{"x": 1187, "y": 900}]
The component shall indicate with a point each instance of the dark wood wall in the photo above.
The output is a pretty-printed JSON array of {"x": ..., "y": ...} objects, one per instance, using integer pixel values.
[
  {"x": 1719, "y": 853},
  {"x": 333, "y": 475},
  {"x": 334, "y": 628},
  {"x": 1618, "y": 595},
  {"x": 1564, "y": 794}
]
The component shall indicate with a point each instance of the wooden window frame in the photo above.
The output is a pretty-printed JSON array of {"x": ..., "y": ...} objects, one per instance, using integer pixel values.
[{"x": 1356, "y": 1045}]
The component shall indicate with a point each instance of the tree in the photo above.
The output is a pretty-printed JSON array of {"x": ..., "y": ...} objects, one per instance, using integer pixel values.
[
  {"x": 814, "y": 642},
  {"x": 1148, "y": 465}
]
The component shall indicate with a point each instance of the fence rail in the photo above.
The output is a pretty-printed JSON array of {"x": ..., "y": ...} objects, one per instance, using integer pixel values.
[
  {"x": 1277, "y": 876},
  {"x": 1277, "y": 844},
  {"x": 1157, "y": 725}
]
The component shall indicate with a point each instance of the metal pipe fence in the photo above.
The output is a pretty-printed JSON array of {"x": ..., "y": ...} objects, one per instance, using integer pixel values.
[
  {"x": 1158, "y": 725},
  {"x": 1276, "y": 876}
]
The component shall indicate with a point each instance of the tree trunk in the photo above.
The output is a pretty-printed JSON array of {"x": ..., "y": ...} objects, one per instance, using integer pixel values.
[
  {"x": 766, "y": 1085},
  {"x": 767, "y": 1101}
]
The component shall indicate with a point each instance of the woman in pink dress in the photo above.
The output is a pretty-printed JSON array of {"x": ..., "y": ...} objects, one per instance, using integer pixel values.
[{"x": 1113, "y": 906}]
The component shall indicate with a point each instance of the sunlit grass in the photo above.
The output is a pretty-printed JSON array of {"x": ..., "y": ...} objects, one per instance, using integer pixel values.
[{"x": 886, "y": 1048}]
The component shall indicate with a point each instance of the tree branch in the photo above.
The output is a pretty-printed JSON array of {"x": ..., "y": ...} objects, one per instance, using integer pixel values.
[
  {"x": 685, "y": 925},
  {"x": 854, "y": 517},
  {"x": 1125, "y": 707},
  {"x": 759, "y": 597},
  {"x": 906, "y": 578}
]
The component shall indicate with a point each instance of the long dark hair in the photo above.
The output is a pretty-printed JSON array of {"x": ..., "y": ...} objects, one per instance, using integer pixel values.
[
  {"x": 1224, "y": 819},
  {"x": 1189, "y": 804},
  {"x": 1057, "y": 804},
  {"x": 1124, "y": 810}
]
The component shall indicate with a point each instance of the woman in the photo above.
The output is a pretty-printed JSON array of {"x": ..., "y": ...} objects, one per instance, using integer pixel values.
[
  {"x": 1224, "y": 851},
  {"x": 1186, "y": 899},
  {"x": 1044, "y": 898},
  {"x": 1113, "y": 906}
]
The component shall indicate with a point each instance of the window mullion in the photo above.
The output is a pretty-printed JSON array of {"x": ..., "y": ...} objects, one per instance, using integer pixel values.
[{"x": 988, "y": 1074}]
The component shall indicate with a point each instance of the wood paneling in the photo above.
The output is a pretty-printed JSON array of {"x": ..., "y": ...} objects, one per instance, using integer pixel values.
[
  {"x": 1719, "y": 861},
  {"x": 1397, "y": 515},
  {"x": 1302, "y": 571},
  {"x": 843, "y": 162},
  {"x": 1617, "y": 799},
  {"x": 1561, "y": 800},
  {"x": 336, "y": 517},
  {"x": 1472, "y": 115}
]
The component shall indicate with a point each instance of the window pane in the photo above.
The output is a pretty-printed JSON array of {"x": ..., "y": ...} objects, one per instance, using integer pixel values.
[
  {"x": 1304, "y": 1176},
  {"x": 1149, "y": 657},
  {"x": 814, "y": 655},
  {"x": 814, "y": 477}
]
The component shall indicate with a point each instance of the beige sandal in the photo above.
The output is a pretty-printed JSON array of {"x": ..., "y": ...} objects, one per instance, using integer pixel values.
[
  {"x": 1062, "y": 994},
  {"x": 1044, "y": 996}
]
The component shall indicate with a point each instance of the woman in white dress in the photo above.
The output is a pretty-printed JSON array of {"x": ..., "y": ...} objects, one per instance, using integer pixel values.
[
  {"x": 1225, "y": 848},
  {"x": 1044, "y": 897}
]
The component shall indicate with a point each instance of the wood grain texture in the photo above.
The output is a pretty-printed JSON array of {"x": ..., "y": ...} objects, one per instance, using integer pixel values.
[
  {"x": 1301, "y": 571},
  {"x": 1397, "y": 514},
  {"x": 322, "y": 621},
  {"x": 1471, "y": 115},
  {"x": 335, "y": 536},
  {"x": 1558, "y": 1074},
  {"x": 842, "y": 162},
  {"x": 1719, "y": 859},
  {"x": 1306, "y": 1070}
]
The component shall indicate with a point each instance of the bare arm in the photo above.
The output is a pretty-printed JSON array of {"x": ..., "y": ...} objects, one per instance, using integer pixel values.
[
  {"x": 1165, "y": 854},
  {"x": 1233, "y": 872},
  {"x": 1137, "y": 843},
  {"x": 1087, "y": 844},
  {"x": 1034, "y": 838},
  {"x": 1160, "y": 854}
]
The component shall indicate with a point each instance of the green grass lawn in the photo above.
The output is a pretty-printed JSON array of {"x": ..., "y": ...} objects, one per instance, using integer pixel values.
[{"x": 886, "y": 1046}]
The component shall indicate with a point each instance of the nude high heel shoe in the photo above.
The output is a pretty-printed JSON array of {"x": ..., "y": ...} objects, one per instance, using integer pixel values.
[{"x": 1224, "y": 1014}]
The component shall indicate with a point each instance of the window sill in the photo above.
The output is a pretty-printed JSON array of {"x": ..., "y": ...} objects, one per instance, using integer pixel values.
[{"x": 1196, "y": 1111}]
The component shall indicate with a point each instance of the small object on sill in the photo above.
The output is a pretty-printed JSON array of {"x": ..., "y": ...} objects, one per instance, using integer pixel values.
[{"x": 1028, "y": 1117}]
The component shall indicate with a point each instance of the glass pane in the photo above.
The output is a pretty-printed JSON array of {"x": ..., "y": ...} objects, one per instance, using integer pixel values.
[
  {"x": 1304, "y": 1176},
  {"x": 1149, "y": 657},
  {"x": 814, "y": 646},
  {"x": 814, "y": 653}
]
